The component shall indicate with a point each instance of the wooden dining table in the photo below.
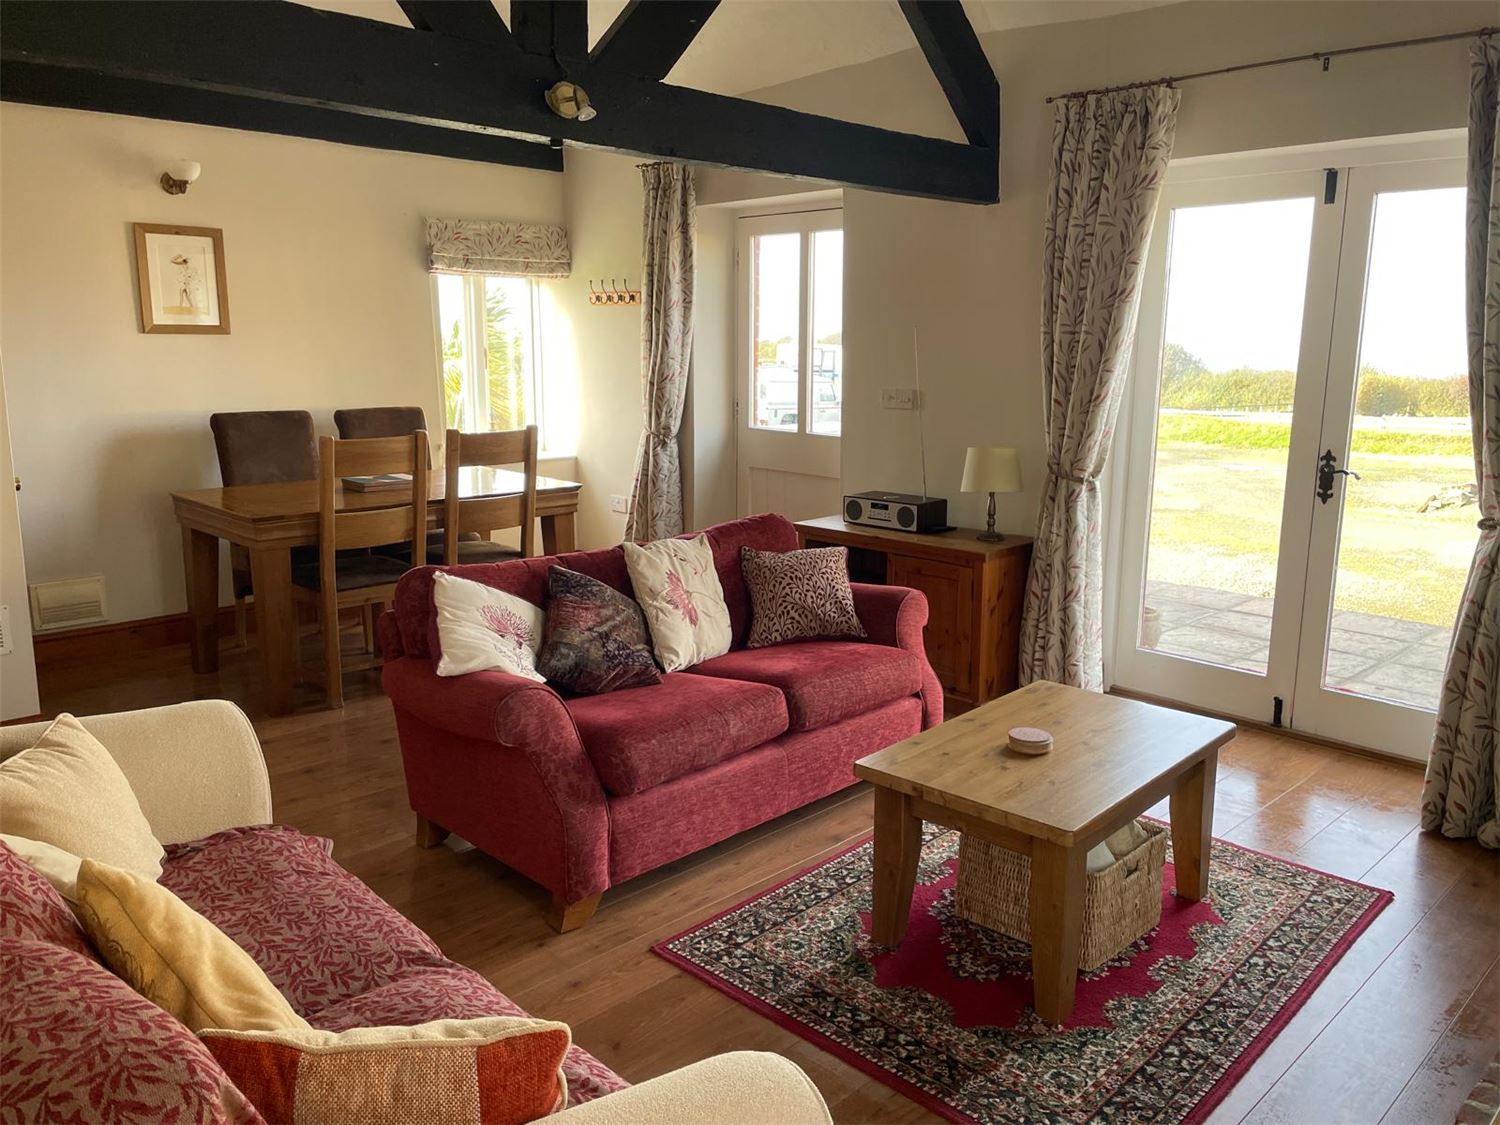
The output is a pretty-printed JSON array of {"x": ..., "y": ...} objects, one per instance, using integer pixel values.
[{"x": 270, "y": 519}]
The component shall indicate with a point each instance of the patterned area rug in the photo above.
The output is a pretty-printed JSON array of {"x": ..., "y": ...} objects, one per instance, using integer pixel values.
[{"x": 1159, "y": 1034}]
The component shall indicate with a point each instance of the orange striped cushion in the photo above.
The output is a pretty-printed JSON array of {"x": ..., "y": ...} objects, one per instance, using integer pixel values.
[{"x": 501, "y": 1070}]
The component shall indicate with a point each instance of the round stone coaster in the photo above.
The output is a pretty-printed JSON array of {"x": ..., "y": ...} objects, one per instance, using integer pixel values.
[{"x": 1030, "y": 740}]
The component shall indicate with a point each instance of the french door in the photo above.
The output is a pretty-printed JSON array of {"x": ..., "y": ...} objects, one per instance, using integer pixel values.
[
  {"x": 1299, "y": 512},
  {"x": 790, "y": 368}
]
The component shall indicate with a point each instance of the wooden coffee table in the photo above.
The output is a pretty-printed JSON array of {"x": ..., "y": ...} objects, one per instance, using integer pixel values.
[{"x": 1112, "y": 759}]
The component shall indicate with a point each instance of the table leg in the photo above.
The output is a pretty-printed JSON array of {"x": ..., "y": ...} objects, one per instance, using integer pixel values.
[
  {"x": 1192, "y": 808},
  {"x": 1057, "y": 878},
  {"x": 275, "y": 625},
  {"x": 559, "y": 533},
  {"x": 200, "y": 572},
  {"x": 898, "y": 842}
]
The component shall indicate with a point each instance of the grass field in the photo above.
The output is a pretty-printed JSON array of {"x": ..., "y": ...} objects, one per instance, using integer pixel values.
[{"x": 1216, "y": 513}]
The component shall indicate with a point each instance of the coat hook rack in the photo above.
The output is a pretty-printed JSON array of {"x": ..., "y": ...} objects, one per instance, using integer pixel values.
[{"x": 612, "y": 295}]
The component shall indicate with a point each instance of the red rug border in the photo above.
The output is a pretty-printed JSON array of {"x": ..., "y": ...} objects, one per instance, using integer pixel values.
[{"x": 1199, "y": 1113}]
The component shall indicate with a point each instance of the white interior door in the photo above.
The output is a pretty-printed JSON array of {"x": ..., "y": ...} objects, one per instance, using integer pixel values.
[
  {"x": 789, "y": 371},
  {"x": 1291, "y": 323}
]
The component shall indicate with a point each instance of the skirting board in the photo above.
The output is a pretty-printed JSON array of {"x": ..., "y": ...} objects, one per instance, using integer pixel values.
[{"x": 119, "y": 637}]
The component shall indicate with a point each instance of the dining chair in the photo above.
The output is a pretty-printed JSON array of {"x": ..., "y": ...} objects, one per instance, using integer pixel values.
[
  {"x": 362, "y": 581},
  {"x": 391, "y": 421},
  {"x": 482, "y": 515},
  {"x": 261, "y": 447}
]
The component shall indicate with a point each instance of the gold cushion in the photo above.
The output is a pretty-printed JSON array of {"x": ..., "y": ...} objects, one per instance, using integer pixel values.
[
  {"x": 175, "y": 957},
  {"x": 67, "y": 791}
]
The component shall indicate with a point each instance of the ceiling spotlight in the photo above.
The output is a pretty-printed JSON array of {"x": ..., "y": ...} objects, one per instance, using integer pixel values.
[
  {"x": 180, "y": 173},
  {"x": 570, "y": 102}
]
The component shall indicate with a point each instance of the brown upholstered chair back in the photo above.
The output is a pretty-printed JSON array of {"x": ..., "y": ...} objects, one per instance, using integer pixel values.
[
  {"x": 380, "y": 421},
  {"x": 265, "y": 446}
]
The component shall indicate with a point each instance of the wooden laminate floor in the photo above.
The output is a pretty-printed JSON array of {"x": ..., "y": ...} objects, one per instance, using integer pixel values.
[{"x": 1400, "y": 1031}]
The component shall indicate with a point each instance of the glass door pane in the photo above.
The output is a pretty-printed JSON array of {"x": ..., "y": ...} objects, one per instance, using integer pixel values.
[
  {"x": 775, "y": 330},
  {"x": 1407, "y": 527},
  {"x": 1236, "y": 282},
  {"x": 826, "y": 395}
]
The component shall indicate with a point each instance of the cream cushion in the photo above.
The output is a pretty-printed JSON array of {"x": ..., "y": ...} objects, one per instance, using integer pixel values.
[
  {"x": 66, "y": 790},
  {"x": 58, "y": 867},
  {"x": 480, "y": 628},
  {"x": 175, "y": 957},
  {"x": 679, "y": 592}
]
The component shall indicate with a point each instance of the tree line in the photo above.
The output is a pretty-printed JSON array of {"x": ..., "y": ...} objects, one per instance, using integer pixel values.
[{"x": 1188, "y": 384}]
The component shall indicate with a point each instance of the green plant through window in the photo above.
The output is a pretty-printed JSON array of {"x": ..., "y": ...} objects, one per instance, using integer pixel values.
[{"x": 488, "y": 345}]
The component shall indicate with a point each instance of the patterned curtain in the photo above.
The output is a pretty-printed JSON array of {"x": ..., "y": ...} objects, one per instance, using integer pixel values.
[
  {"x": 666, "y": 347},
  {"x": 1109, "y": 157},
  {"x": 508, "y": 249},
  {"x": 1463, "y": 783}
]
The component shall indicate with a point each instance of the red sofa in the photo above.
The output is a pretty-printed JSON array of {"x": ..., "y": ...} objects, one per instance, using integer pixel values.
[{"x": 581, "y": 793}]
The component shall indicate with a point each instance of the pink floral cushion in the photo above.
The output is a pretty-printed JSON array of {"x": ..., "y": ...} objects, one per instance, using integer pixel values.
[
  {"x": 799, "y": 596},
  {"x": 31, "y": 908},
  {"x": 79, "y": 1044},
  {"x": 342, "y": 955}
]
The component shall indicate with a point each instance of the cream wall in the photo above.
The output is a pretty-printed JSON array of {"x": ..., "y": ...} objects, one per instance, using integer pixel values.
[
  {"x": 328, "y": 292},
  {"x": 970, "y": 277}
]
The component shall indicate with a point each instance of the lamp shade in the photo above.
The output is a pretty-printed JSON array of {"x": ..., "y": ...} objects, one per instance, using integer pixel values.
[{"x": 991, "y": 468}]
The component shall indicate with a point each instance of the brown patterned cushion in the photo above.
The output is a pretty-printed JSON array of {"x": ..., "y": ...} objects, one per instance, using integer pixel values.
[
  {"x": 595, "y": 638},
  {"x": 799, "y": 596}
]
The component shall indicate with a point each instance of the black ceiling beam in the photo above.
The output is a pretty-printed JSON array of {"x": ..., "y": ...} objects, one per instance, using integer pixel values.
[
  {"x": 553, "y": 29},
  {"x": 286, "y": 53},
  {"x": 463, "y": 19},
  {"x": 649, "y": 36},
  {"x": 76, "y": 89},
  {"x": 958, "y": 60}
]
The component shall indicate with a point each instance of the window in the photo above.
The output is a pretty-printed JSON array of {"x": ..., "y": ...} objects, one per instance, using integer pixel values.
[
  {"x": 490, "y": 343},
  {"x": 796, "y": 280}
]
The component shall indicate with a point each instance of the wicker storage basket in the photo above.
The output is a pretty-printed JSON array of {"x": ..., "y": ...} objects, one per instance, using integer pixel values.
[{"x": 1120, "y": 903}]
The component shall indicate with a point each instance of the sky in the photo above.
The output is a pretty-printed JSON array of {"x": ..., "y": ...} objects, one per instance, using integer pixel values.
[
  {"x": 780, "y": 296},
  {"x": 1238, "y": 274}
]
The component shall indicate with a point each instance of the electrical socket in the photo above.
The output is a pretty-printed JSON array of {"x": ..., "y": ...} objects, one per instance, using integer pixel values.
[
  {"x": 898, "y": 398},
  {"x": 619, "y": 504}
]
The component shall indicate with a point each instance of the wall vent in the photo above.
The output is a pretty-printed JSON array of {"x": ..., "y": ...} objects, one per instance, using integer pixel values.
[{"x": 69, "y": 602}]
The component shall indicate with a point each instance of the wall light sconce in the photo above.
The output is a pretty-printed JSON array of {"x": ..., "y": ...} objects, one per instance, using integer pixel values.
[
  {"x": 180, "y": 173},
  {"x": 570, "y": 101}
]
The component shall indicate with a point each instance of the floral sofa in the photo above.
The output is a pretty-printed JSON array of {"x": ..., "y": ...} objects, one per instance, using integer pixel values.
[
  {"x": 581, "y": 793},
  {"x": 76, "y": 1043}
]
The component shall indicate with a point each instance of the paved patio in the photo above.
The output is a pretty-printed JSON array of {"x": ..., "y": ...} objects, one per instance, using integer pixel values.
[{"x": 1368, "y": 655}]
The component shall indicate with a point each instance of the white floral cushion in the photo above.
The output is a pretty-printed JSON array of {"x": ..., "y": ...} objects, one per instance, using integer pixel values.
[
  {"x": 679, "y": 592},
  {"x": 480, "y": 627}
]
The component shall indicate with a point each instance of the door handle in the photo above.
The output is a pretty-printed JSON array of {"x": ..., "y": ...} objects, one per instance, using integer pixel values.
[{"x": 1327, "y": 470}]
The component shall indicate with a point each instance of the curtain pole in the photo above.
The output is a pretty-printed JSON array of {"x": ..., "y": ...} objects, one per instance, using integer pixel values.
[{"x": 1312, "y": 56}]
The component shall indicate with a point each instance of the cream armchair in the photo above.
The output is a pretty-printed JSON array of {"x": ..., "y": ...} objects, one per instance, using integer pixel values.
[{"x": 197, "y": 768}]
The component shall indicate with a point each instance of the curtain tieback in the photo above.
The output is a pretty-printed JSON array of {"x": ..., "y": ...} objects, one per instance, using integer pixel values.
[
  {"x": 1092, "y": 478},
  {"x": 1489, "y": 523}
]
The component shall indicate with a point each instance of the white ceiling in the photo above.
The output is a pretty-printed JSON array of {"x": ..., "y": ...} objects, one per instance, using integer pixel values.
[{"x": 751, "y": 44}]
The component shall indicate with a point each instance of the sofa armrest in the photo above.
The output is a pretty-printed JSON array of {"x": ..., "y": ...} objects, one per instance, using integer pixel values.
[
  {"x": 492, "y": 706},
  {"x": 733, "y": 1089},
  {"x": 897, "y": 616},
  {"x": 196, "y": 768}
]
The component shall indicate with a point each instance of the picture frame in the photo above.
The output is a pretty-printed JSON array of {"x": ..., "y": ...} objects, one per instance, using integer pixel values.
[{"x": 183, "y": 285}]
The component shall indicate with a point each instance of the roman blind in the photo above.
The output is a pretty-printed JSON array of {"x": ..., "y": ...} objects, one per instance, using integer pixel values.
[{"x": 507, "y": 249}]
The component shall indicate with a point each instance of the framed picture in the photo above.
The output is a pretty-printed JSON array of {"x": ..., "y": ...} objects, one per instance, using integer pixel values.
[{"x": 181, "y": 271}]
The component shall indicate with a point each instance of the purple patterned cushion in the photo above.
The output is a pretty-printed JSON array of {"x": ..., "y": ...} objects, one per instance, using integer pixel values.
[
  {"x": 595, "y": 639},
  {"x": 799, "y": 596},
  {"x": 79, "y": 1044}
]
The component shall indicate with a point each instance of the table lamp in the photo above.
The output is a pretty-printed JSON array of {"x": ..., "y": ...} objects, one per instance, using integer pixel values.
[{"x": 991, "y": 469}]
